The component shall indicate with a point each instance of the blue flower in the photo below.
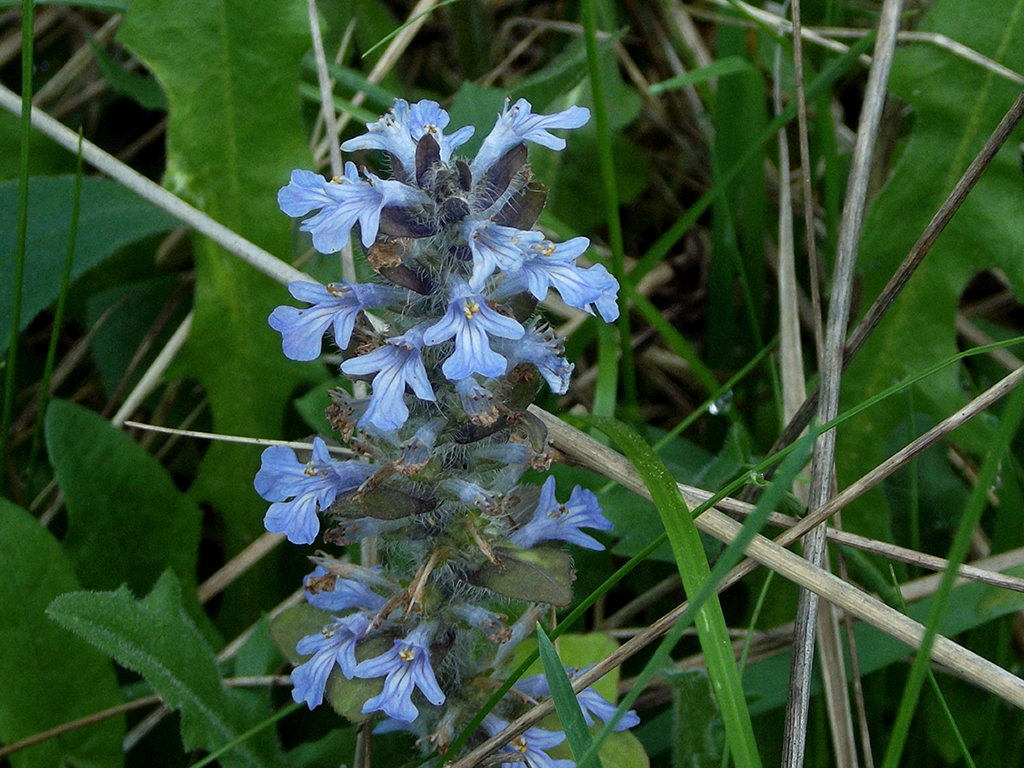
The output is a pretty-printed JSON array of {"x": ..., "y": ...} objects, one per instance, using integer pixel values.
[
  {"x": 545, "y": 352},
  {"x": 554, "y": 265},
  {"x": 403, "y": 126},
  {"x": 334, "y": 305},
  {"x": 495, "y": 247},
  {"x": 552, "y": 520},
  {"x": 470, "y": 320},
  {"x": 334, "y": 644},
  {"x": 591, "y": 702},
  {"x": 516, "y": 124},
  {"x": 531, "y": 744},
  {"x": 346, "y": 594},
  {"x": 300, "y": 490},
  {"x": 341, "y": 202},
  {"x": 406, "y": 665},
  {"x": 397, "y": 363}
]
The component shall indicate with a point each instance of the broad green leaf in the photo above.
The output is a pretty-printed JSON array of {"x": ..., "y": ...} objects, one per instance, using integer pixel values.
[
  {"x": 143, "y": 89},
  {"x": 48, "y": 677},
  {"x": 155, "y": 637},
  {"x": 696, "y": 725},
  {"x": 110, "y": 217},
  {"x": 987, "y": 232},
  {"x": 230, "y": 71},
  {"x": 119, "y": 500}
]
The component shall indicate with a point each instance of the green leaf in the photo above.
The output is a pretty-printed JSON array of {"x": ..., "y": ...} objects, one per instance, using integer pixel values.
[
  {"x": 110, "y": 217},
  {"x": 119, "y": 499},
  {"x": 566, "y": 704},
  {"x": 987, "y": 232},
  {"x": 143, "y": 89},
  {"x": 230, "y": 70},
  {"x": 47, "y": 676},
  {"x": 541, "y": 575},
  {"x": 697, "y": 730},
  {"x": 155, "y": 637},
  {"x": 693, "y": 568}
]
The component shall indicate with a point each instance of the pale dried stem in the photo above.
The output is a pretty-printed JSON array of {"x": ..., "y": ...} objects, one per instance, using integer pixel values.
[
  {"x": 238, "y": 565},
  {"x": 326, "y": 90},
  {"x": 823, "y": 36},
  {"x": 823, "y": 462},
  {"x": 302, "y": 445}
]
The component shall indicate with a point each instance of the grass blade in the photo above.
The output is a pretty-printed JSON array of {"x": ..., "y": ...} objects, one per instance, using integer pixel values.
[
  {"x": 566, "y": 704},
  {"x": 694, "y": 571},
  {"x": 1008, "y": 423}
]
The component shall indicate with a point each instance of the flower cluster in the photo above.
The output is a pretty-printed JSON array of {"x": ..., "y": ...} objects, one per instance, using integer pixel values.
[{"x": 448, "y": 339}]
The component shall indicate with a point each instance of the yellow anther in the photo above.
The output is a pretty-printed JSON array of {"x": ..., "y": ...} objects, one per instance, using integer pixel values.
[
  {"x": 407, "y": 654},
  {"x": 337, "y": 289},
  {"x": 470, "y": 309},
  {"x": 310, "y": 470},
  {"x": 548, "y": 249},
  {"x": 520, "y": 744}
]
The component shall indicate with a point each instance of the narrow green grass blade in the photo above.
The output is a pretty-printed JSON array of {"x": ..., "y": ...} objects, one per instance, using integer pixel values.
[
  {"x": 943, "y": 705},
  {"x": 1008, "y": 423},
  {"x": 611, "y": 195},
  {"x": 694, "y": 571},
  {"x": 566, "y": 704},
  {"x": 58, "y": 317},
  {"x": 729, "y": 65},
  {"x": 27, "y": 21},
  {"x": 732, "y": 555}
]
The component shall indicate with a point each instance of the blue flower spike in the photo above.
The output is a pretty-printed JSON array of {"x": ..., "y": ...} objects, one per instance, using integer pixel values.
[
  {"x": 451, "y": 342},
  {"x": 342, "y": 202}
]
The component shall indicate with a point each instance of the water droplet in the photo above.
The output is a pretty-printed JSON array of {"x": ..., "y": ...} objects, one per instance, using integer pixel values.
[
  {"x": 721, "y": 405},
  {"x": 757, "y": 478}
]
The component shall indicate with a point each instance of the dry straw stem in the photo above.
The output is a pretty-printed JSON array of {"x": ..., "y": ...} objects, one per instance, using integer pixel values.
[
  {"x": 605, "y": 461},
  {"x": 831, "y": 369},
  {"x": 824, "y": 36},
  {"x": 914, "y": 258}
]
